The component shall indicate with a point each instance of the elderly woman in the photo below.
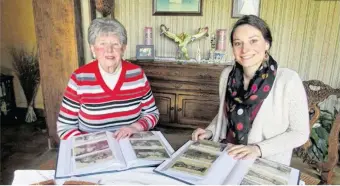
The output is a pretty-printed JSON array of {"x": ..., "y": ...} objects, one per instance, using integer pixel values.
[
  {"x": 109, "y": 93},
  {"x": 263, "y": 107}
]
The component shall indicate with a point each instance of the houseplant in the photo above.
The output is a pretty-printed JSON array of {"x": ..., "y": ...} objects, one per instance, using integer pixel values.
[{"x": 26, "y": 68}]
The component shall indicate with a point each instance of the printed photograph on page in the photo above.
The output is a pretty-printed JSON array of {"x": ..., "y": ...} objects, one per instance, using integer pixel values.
[
  {"x": 89, "y": 137},
  {"x": 140, "y": 135},
  {"x": 262, "y": 179},
  {"x": 104, "y": 156},
  {"x": 145, "y": 144},
  {"x": 200, "y": 155},
  {"x": 191, "y": 167},
  {"x": 268, "y": 172},
  {"x": 247, "y": 181},
  {"x": 153, "y": 154},
  {"x": 209, "y": 145},
  {"x": 90, "y": 147}
]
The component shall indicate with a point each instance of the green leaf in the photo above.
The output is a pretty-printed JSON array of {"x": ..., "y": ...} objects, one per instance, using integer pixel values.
[
  {"x": 327, "y": 124},
  {"x": 322, "y": 133},
  {"x": 323, "y": 146},
  {"x": 314, "y": 135},
  {"x": 325, "y": 115},
  {"x": 317, "y": 153}
]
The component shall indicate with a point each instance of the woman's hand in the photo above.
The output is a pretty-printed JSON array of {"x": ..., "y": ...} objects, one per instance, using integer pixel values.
[
  {"x": 243, "y": 151},
  {"x": 127, "y": 131},
  {"x": 200, "y": 134}
]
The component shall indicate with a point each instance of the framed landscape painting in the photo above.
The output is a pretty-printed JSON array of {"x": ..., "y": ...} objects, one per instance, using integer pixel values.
[{"x": 177, "y": 7}]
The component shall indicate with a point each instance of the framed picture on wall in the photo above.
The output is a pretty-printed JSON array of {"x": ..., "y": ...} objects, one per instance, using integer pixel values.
[
  {"x": 245, "y": 7},
  {"x": 145, "y": 52},
  {"x": 177, "y": 7}
]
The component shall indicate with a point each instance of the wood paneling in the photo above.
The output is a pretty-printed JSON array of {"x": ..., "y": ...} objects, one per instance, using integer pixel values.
[
  {"x": 306, "y": 35},
  {"x": 58, "y": 55}
]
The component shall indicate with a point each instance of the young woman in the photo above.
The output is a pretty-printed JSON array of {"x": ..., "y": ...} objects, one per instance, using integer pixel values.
[{"x": 263, "y": 107}]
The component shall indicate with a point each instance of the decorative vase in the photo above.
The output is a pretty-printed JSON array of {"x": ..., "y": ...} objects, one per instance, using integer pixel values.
[
  {"x": 221, "y": 39},
  {"x": 148, "y": 36}
]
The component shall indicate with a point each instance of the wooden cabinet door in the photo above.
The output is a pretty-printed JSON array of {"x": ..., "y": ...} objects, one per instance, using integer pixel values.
[
  {"x": 197, "y": 110},
  {"x": 166, "y": 106}
]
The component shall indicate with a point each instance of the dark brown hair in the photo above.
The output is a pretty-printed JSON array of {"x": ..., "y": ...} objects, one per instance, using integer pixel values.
[{"x": 255, "y": 22}]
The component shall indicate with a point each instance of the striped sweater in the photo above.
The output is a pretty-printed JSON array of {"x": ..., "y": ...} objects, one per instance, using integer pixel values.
[{"x": 89, "y": 105}]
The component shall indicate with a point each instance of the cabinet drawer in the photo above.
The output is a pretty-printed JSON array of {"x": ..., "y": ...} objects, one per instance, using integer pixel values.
[{"x": 159, "y": 85}]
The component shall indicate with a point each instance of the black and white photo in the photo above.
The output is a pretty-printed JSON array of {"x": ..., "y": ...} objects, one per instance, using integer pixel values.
[
  {"x": 200, "y": 155},
  {"x": 140, "y": 135},
  {"x": 90, "y": 147},
  {"x": 89, "y": 160},
  {"x": 191, "y": 167},
  {"x": 151, "y": 153},
  {"x": 146, "y": 143},
  {"x": 90, "y": 137}
]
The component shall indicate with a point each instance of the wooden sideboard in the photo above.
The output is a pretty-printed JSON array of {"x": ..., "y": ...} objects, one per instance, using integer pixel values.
[{"x": 186, "y": 94}]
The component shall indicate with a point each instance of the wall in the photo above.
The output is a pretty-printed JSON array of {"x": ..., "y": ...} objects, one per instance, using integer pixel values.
[
  {"x": 306, "y": 33},
  {"x": 17, "y": 30}
]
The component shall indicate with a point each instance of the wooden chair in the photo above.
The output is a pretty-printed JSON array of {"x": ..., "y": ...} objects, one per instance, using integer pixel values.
[{"x": 317, "y": 92}]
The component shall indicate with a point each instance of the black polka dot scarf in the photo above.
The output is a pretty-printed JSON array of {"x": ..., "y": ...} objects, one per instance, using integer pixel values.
[{"x": 241, "y": 103}]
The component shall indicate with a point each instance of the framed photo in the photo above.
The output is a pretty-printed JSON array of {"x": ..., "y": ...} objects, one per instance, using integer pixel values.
[
  {"x": 219, "y": 55},
  {"x": 245, "y": 7},
  {"x": 145, "y": 52},
  {"x": 177, "y": 7}
]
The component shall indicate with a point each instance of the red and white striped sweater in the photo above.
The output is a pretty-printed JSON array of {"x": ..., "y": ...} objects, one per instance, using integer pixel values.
[{"x": 89, "y": 105}]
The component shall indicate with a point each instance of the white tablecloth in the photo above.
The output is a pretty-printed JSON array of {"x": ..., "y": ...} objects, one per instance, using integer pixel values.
[{"x": 140, "y": 176}]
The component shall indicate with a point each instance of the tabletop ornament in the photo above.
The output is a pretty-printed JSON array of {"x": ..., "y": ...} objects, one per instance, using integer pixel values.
[{"x": 183, "y": 39}]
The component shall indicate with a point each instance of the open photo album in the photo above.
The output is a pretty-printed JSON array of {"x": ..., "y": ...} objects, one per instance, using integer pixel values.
[
  {"x": 100, "y": 152},
  {"x": 206, "y": 162}
]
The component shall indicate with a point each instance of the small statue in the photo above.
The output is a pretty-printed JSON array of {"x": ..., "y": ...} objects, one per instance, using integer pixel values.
[
  {"x": 184, "y": 39},
  {"x": 212, "y": 47},
  {"x": 213, "y": 41},
  {"x": 198, "y": 54}
]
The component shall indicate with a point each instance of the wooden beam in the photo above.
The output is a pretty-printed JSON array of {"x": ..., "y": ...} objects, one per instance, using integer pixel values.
[
  {"x": 93, "y": 9},
  {"x": 56, "y": 33},
  {"x": 79, "y": 32}
]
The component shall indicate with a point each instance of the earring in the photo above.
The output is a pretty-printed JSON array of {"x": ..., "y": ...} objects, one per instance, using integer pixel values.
[
  {"x": 94, "y": 55},
  {"x": 266, "y": 55}
]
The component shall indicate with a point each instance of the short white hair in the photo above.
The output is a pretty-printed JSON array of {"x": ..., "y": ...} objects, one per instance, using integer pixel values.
[{"x": 105, "y": 26}]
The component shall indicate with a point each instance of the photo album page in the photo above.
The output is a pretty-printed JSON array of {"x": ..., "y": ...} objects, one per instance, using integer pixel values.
[
  {"x": 203, "y": 162},
  {"x": 99, "y": 152}
]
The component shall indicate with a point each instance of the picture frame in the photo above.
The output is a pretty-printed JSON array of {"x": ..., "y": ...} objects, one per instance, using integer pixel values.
[
  {"x": 245, "y": 7},
  {"x": 177, "y": 7},
  {"x": 220, "y": 56},
  {"x": 145, "y": 52}
]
